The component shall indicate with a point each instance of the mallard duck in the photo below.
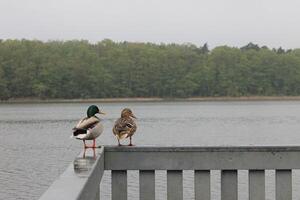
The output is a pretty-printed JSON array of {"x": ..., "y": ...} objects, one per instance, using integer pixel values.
[
  {"x": 90, "y": 127},
  {"x": 125, "y": 126}
]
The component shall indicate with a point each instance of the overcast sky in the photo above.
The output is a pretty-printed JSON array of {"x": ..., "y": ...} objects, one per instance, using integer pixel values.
[{"x": 218, "y": 22}]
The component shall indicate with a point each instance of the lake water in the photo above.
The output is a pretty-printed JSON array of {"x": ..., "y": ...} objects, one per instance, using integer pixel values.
[{"x": 35, "y": 144}]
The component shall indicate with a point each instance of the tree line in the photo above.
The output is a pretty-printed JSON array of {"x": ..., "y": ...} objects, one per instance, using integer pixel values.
[{"x": 107, "y": 69}]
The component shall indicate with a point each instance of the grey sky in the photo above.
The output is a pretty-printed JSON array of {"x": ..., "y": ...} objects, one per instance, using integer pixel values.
[{"x": 219, "y": 22}]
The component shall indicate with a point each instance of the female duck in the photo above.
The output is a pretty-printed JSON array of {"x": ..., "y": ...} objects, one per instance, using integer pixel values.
[
  {"x": 125, "y": 126},
  {"x": 90, "y": 127}
]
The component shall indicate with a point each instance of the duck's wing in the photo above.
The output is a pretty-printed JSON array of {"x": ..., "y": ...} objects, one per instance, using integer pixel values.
[
  {"x": 85, "y": 124},
  {"x": 132, "y": 125},
  {"x": 123, "y": 127},
  {"x": 120, "y": 125}
]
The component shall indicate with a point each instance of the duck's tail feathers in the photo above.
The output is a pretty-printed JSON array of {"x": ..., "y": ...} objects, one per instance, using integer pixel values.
[
  {"x": 78, "y": 131},
  {"x": 81, "y": 136}
]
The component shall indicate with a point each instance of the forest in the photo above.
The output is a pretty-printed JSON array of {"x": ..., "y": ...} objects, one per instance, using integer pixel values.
[{"x": 108, "y": 69}]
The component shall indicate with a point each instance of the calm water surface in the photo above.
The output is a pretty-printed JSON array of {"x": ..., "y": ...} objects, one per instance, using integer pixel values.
[{"x": 35, "y": 144}]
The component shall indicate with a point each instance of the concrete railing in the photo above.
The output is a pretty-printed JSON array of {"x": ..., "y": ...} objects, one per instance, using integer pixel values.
[{"x": 81, "y": 180}]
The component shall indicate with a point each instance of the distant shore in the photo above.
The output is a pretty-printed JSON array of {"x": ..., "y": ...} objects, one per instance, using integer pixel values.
[{"x": 154, "y": 99}]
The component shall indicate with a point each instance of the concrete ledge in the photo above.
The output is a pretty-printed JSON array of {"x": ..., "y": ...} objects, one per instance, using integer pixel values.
[
  {"x": 202, "y": 158},
  {"x": 201, "y": 149},
  {"x": 81, "y": 179}
]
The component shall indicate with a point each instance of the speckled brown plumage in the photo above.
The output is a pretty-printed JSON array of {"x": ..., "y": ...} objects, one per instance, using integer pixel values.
[{"x": 125, "y": 127}]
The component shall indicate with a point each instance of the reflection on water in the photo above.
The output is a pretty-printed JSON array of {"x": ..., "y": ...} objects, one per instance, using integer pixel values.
[
  {"x": 35, "y": 147},
  {"x": 84, "y": 164}
]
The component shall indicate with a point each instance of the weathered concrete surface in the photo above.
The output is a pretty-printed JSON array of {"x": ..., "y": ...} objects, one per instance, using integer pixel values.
[
  {"x": 119, "y": 185},
  {"x": 174, "y": 185},
  {"x": 283, "y": 184},
  {"x": 147, "y": 184},
  {"x": 81, "y": 180},
  {"x": 257, "y": 185},
  {"x": 229, "y": 187},
  {"x": 202, "y": 184},
  {"x": 201, "y": 149}
]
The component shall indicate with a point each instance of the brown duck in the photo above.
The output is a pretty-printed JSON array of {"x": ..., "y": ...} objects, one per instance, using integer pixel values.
[{"x": 125, "y": 126}]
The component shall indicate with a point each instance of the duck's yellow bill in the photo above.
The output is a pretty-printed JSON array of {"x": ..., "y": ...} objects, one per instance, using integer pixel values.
[{"x": 103, "y": 113}]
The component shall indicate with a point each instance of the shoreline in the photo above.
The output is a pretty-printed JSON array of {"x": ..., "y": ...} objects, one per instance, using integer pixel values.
[{"x": 154, "y": 99}]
